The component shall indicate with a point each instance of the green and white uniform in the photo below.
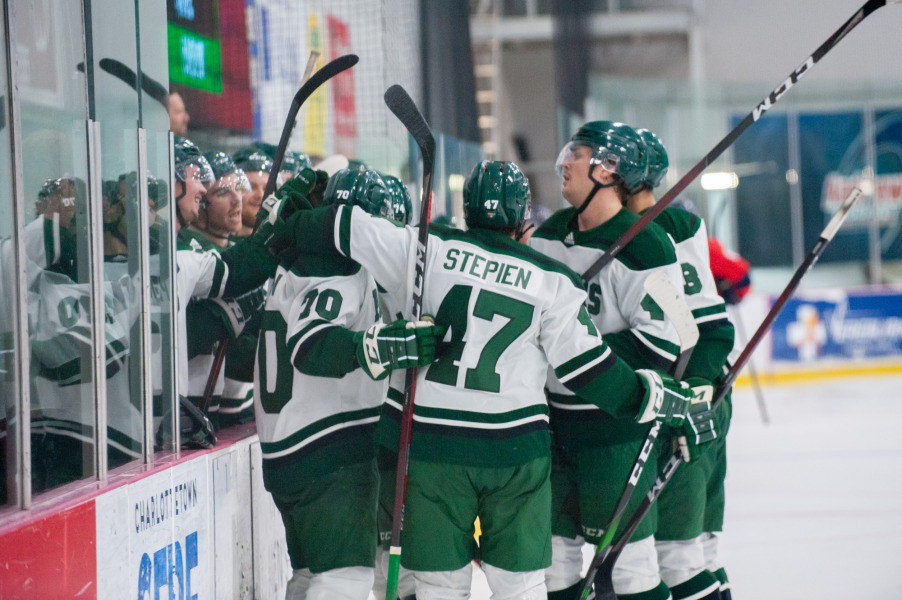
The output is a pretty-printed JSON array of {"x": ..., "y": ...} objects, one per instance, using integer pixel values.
[
  {"x": 200, "y": 274},
  {"x": 695, "y": 494},
  {"x": 480, "y": 413},
  {"x": 316, "y": 413},
  {"x": 202, "y": 343},
  {"x": 594, "y": 453}
]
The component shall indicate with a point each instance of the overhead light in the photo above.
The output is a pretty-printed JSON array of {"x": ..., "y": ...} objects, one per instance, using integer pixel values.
[
  {"x": 720, "y": 181},
  {"x": 456, "y": 182}
]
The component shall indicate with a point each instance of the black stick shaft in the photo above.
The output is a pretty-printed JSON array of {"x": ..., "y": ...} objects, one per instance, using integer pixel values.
[
  {"x": 307, "y": 88},
  {"x": 670, "y": 468},
  {"x": 403, "y": 107},
  {"x": 763, "y": 106},
  {"x": 329, "y": 71}
]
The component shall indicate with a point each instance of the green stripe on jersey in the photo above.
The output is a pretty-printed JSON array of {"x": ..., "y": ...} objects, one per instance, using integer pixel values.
[
  {"x": 665, "y": 348},
  {"x": 578, "y": 364},
  {"x": 292, "y": 473},
  {"x": 464, "y": 417},
  {"x": 344, "y": 230},
  {"x": 708, "y": 314},
  {"x": 681, "y": 224},
  {"x": 319, "y": 429},
  {"x": 467, "y": 443}
]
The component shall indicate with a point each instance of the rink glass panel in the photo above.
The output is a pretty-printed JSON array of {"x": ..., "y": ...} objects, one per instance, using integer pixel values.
[
  {"x": 115, "y": 107},
  {"x": 86, "y": 145},
  {"x": 154, "y": 114},
  {"x": 9, "y": 354},
  {"x": 53, "y": 105}
]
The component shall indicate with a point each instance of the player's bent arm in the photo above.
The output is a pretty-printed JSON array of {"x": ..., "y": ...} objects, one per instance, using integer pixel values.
[
  {"x": 627, "y": 345},
  {"x": 714, "y": 345},
  {"x": 380, "y": 246},
  {"x": 329, "y": 351},
  {"x": 250, "y": 264}
]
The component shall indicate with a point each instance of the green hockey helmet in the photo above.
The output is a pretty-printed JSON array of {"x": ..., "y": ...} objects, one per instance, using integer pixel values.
[
  {"x": 496, "y": 196},
  {"x": 402, "y": 206},
  {"x": 156, "y": 188},
  {"x": 365, "y": 189},
  {"x": 223, "y": 165},
  {"x": 186, "y": 153},
  {"x": 251, "y": 158},
  {"x": 616, "y": 147},
  {"x": 657, "y": 158}
]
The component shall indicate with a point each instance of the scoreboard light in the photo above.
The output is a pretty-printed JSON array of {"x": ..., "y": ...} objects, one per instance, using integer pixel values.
[{"x": 195, "y": 50}]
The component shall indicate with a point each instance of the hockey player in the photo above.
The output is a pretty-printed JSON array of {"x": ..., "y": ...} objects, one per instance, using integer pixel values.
[
  {"x": 205, "y": 274},
  {"x": 319, "y": 384},
  {"x": 387, "y": 459},
  {"x": 481, "y": 442},
  {"x": 218, "y": 219},
  {"x": 601, "y": 164},
  {"x": 682, "y": 506},
  {"x": 256, "y": 165},
  {"x": 220, "y": 214}
]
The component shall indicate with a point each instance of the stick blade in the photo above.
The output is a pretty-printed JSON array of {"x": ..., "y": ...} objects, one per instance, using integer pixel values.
[
  {"x": 330, "y": 70},
  {"x": 402, "y": 105},
  {"x": 668, "y": 297}
]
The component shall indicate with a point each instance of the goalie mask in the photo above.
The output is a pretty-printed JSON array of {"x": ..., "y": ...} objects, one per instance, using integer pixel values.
[
  {"x": 496, "y": 196},
  {"x": 616, "y": 148},
  {"x": 364, "y": 188},
  {"x": 402, "y": 206},
  {"x": 657, "y": 158}
]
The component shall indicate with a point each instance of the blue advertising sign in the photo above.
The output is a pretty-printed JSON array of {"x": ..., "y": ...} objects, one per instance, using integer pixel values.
[{"x": 840, "y": 326}]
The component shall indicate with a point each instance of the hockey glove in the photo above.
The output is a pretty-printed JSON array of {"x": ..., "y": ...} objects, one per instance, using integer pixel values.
[
  {"x": 666, "y": 399},
  {"x": 319, "y": 188},
  {"x": 700, "y": 425},
  {"x": 275, "y": 211},
  {"x": 399, "y": 345},
  {"x": 236, "y": 312},
  {"x": 298, "y": 188}
]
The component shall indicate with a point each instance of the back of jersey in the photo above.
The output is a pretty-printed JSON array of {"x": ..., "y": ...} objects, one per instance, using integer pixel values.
[{"x": 509, "y": 313}]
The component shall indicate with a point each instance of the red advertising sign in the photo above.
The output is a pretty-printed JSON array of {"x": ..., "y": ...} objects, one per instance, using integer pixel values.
[{"x": 343, "y": 109}]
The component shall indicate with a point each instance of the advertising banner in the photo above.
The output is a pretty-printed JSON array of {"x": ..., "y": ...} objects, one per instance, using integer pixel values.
[{"x": 839, "y": 325}]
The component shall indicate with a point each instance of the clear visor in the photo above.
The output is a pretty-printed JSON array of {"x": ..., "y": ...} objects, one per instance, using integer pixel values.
[
  {"x": 236, "y": 182},
  {"x": 202, "y": 171},
  {"x": 598, "y": 155}
]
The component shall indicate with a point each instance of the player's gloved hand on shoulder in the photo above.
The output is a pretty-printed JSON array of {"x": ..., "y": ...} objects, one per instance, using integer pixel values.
[
  {"x": 399, "y": 345},
  {"x": 701, "y": 425}
]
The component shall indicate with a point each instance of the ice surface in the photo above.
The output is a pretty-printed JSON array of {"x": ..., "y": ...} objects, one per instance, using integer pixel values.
[{"x": 814, "y": 499}]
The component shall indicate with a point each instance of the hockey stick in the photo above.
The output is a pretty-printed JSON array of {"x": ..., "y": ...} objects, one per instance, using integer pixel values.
[
  {"x": 400, "y": 103},
  {"x": 123, "y": 72},
  {"x": 671, "y": 301},
  {"x": 763, "y": 106},
  {"x": 342, "y": 63},
  {"x": 310, "y": 84},
  {"x": 604, "y": 588}
]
